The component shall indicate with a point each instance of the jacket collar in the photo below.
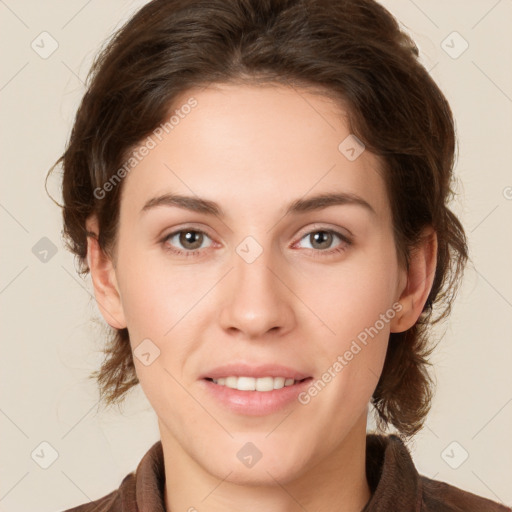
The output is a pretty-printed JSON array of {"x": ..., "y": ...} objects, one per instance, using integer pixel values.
[{"x": 393, "y": 479}]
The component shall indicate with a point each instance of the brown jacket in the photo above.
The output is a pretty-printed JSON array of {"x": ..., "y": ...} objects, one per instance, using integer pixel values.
[{"x": 394, "y": 482}]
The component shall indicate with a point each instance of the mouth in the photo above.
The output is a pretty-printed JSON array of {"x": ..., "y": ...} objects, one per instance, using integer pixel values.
[
  {"x": 263, "y": 384},
  {"x": 254, "y": 396}
]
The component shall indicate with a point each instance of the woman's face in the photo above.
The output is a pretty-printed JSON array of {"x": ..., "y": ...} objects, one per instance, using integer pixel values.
[{"x": 275, "y": 284}]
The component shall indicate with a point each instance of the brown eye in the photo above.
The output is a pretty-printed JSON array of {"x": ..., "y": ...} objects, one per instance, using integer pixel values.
[
  {"x": 186, "y": 241},
  {"x": 321, "y": 239},
  {"x": 191, "y": 239},
  {"x": 323, "y": 242}
]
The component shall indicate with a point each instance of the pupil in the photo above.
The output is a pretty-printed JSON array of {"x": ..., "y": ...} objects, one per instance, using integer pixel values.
[
  {"x": 188, "y": 238},
  {"x": 322, "y": 237}
]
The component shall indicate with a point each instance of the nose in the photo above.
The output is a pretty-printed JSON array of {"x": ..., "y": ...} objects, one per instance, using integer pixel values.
[{"x": 257, "y": 298}]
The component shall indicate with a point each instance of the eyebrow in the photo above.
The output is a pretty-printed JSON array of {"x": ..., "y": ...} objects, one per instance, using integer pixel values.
[{"x": 200, "y": 205}]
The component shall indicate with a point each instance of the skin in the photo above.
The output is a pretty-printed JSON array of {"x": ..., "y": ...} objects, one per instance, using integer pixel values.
[{"x": 254, "y": 150}]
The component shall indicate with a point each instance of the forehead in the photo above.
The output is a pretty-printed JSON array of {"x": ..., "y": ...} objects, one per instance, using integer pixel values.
[{"x": 253, "y": 146}]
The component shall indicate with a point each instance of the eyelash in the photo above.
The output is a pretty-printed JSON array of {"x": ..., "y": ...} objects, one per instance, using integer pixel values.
[{"x": 347, "y": 242}]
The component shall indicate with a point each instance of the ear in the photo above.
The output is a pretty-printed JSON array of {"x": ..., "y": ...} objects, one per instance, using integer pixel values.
[
  {"x": 106, "y": 290},
  {"x": 420, "y": 277}
]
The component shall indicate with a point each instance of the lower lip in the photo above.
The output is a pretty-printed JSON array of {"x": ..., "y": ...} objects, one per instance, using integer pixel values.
[{"x": 255, "y": 403}]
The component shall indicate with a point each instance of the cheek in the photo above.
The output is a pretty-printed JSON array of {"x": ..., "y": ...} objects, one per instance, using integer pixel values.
[
  {"x": 353, "y": 295},
  {"x": 357, "y": 303},
  {"x": 163, "y": 309},
  {"x": 154, "y": 297},
  {"x": 351, "y": 360}
]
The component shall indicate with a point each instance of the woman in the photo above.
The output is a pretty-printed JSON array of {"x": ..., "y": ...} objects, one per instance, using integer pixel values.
[{"x": 260, "y": 192}]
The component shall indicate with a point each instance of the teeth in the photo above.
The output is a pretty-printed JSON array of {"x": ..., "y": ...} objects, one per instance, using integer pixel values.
[{"x": 253, "y": 384}]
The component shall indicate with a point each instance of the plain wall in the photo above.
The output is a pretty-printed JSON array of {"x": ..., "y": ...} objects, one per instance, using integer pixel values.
[{"x": 51, "y": 327}]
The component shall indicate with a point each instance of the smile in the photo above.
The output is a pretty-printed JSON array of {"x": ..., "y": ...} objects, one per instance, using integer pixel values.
[{"x": 254, "y": 384}]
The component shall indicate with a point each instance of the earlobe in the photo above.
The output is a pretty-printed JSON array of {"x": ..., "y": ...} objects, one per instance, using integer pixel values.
[
  {"x": 106, "y": 290},
  {"x": 420, "y": 277}
]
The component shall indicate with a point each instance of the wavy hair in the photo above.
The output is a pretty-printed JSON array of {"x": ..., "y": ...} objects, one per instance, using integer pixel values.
[{"x": 351, "y": 50}]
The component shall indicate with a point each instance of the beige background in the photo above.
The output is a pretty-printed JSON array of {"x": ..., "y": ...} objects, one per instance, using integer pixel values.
[{"x": 50, "y": 344}]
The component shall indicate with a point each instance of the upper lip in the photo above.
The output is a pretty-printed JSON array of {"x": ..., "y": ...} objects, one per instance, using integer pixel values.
[{"x": 261, "y": 370}]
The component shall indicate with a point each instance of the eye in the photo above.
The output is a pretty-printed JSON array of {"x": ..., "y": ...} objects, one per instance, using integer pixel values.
[
  {"x": 321, "y": 240},
  {"x": 191, "y": 240}
]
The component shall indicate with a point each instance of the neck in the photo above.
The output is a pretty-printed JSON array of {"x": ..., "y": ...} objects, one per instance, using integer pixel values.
[{"x": 337, "y": 482}]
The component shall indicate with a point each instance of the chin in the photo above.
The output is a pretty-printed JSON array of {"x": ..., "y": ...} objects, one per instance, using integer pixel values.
[
  {"x": 258, "y": 476},
  {"x": 280, "y": 463}
]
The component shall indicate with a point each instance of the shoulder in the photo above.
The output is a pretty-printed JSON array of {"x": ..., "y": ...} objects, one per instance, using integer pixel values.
[
  {"x": 396, "y": 484},
  {"x": 439, "y": 496},
  {"x": 140, "y": 489},
  {"x": 111, "y": 502}
]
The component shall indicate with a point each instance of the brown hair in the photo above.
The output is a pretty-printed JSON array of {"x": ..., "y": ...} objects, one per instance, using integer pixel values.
[{"x": 352, "y": 50}]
